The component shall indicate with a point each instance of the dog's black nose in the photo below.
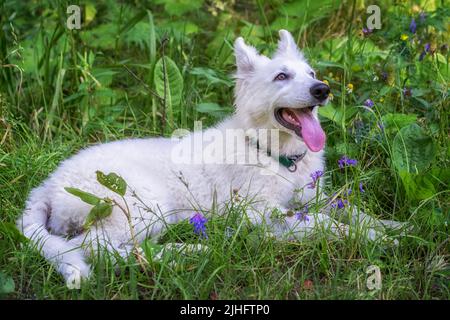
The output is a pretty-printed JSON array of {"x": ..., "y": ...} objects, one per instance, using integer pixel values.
[{"x": 320, "y": 91}]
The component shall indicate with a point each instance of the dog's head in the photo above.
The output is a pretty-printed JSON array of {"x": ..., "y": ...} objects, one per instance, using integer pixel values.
[{"x": 281, "y": 92}]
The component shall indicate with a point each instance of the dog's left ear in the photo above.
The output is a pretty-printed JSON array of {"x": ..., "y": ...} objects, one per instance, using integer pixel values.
[{"x": 287, "y": 45}]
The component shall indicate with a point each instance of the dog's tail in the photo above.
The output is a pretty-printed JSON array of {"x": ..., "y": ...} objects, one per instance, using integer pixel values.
[{"x": 66, "y": 256}]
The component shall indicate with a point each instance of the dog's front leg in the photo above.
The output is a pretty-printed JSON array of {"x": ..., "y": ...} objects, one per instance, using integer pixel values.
[
  {"x": 284, "y": 224},
  {"x": 357, "y": 217},
  {"x": 295, "y": 227}
]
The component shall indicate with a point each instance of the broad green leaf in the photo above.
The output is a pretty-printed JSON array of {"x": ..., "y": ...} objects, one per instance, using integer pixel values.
[
  {"x": 90, "y": 13},
  {"x": 99, "y": 211},
  {"x": 6, "y": 284},
  {"x": 413, "y": 150},
  {"x": 84, "y": 196},
  {"x": 169, "y": 85},
  {"x": 417, "y": 186},
  {"x": 337, "y": 114},
  {"x": 398, "y": 120},
  {"x": 113, "y": 182}
]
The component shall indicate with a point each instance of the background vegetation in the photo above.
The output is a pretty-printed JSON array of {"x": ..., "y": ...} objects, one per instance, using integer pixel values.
[{"x": 61, "y": 90}]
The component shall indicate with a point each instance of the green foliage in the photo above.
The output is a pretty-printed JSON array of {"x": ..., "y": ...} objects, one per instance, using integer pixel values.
[
  {"x": 168, "y": 85},
  {"x": 113, "y": 182},
  {"x": 413, "y": 150},
  {"x": 180, "y": 7},
  {"x": 396, "y": 121},
  {"x": 100, "y": 211},
  {"x": 84, "y": 196},
  {"x": 102, "y": 208}
]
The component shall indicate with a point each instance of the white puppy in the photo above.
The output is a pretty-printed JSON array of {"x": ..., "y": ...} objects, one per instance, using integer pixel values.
[{"x": 280, "y": 96}]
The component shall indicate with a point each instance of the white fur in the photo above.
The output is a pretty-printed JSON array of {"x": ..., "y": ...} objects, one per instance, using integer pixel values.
[{"x": 170, "y": 192}]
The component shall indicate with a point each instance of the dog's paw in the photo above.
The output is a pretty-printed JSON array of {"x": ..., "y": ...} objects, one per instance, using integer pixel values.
[
  {"x": 381, "y": 237},
  {"x": 403, "y": 227},
  {"x": 74, "y": 274}
]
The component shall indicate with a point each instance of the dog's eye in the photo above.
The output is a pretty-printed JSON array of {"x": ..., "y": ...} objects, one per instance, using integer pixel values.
[
  {"x": 281, "y": 76},
  {"x": 312, "y": 74}
]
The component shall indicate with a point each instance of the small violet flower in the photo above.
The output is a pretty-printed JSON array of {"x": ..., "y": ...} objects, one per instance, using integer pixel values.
[
  {"x": 426, "y": 49},
  {"x": 339, "y": 203},
  {"x": 367, "y": 31},
  {"x": 369, "y": 103},
  {"x": 199, "y": 221},
  {"x": 302, "y": 214},
  {"x": 413, "y": 26},
  {"x": 361, "y": 187},
  {"x": 315, "y": 176},
  {"x": 345, "y": 161}
]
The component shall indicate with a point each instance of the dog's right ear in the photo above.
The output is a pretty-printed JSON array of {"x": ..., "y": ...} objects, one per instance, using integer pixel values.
[
  {"x": 247, "y": 58},
  {"x": 287, "y": 45}
]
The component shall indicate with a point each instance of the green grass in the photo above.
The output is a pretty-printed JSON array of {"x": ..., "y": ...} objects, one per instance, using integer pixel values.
[{"x": 62, "y": 90}]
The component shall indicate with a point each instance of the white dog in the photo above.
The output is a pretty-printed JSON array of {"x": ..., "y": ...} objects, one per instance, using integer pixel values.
[{"x": 279, "y": 94}]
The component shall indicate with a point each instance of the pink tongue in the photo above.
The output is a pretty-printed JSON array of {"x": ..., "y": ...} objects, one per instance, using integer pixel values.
[{"x": 312, "y": 132}]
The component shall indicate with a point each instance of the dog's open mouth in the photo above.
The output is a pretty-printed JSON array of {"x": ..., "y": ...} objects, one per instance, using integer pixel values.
[{"x": 303, "y": 123}]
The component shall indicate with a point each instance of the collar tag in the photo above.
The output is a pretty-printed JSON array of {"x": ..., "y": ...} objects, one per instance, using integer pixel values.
[{"x": 290, "y": 162}]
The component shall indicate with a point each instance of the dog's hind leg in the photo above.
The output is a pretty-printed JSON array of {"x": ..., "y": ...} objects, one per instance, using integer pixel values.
[
  {"x": 295, "y": 227},
  {"x": 291, "y": 227},
  {"x": 359, "y": 218}
]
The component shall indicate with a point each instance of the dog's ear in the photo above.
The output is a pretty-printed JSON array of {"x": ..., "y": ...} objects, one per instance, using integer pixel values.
[
  {"x": 247, "y": 58},
  {"x": 287, "y": 46}
]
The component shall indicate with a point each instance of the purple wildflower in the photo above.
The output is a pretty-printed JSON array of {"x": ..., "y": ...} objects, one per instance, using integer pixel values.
[
  {"x": 426, "y": 49},
  {"x": 315, "y": 176},
  {"x": 361, "y": 187},
  {"x": 339, "y": 203},
  {"x": 413, "y": 26},
  {"x": 345, "y": 161},
  {"x": 367, "y": 31},
  {"x": 380, "y": 125},
  {"x": 302, "y": 214},
  {"x": 369, "y": 103},
  {"x": 199, "y": 221}
]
